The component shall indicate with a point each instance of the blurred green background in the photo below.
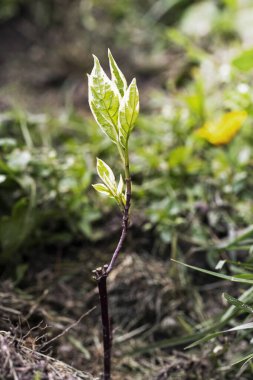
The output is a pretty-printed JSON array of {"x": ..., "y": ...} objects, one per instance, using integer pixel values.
[{"x": 193, "y": 62}]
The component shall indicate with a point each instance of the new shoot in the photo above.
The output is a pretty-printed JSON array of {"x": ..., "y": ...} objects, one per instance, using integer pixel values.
[{"x": 115, "y": 107}]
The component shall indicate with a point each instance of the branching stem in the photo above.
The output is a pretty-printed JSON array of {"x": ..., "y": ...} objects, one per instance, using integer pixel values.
[
  {"x": 125, "y": 217},
  {"x": 101, "y": 275}
]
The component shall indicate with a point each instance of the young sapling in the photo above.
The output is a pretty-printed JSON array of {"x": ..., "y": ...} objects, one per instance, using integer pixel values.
[{"x": 115, "y": 107}]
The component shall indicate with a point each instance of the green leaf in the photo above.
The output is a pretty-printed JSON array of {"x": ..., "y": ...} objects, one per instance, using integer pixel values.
[
  {"x": 128, "y": 112},
  {"x": 101, "y": 188},
  {"x": 238, "y": 304},
  {"x": 19, "y": 224},
  {"x": 109, "y": 188},
  {"x": 210, "y": 336},
  {"x": 198, "y": 336},
  {"x": 244, "y": 61},
  {"x": 120, "y": 186},
  {"x": 243, "y": 359},
  {"x": 179, "y": 156},
  {"x": 120, "y": 194},
  {"x": 204, "y": 339},
  {"x": 249, "y": 276},
  {"x": 107, "y": 176},
  {"x": 117, "y": 76},
  {"x": 216, "y": 274},
  {"x": 104, "y": 100},
  {"x": 244, "y": 326},
  {"x": 79, "y": 346},
  {"x": 240, "y": 264},
  {"x": 241, "y": 236}
]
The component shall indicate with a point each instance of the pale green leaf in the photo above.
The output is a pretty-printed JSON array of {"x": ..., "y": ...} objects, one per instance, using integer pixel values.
[
  {"x": 249, "y": 276},
  {"x": 104, "y": 100},
  {"x": 107, "y": 176},
  {"x": 244, "y": 326},
  {"x": 128, "y": 112},
  {"x": 244, "y": 61},
  {"x": 240, "y": 237},
  {"x": 179, "y": 155},
  {"x": 216, "y": 274},
  {"x": 120, "y": 194},
  {"x": 238, "y": 304},
  {"x": 120, "y": 186},
  {"x": 204, "y": 339},
  {"x": 101, "y": 188},
  {"x": 117, "y": 76},
  {"x": 243, "y": 359},
  {"x": 210, "y": 336}
]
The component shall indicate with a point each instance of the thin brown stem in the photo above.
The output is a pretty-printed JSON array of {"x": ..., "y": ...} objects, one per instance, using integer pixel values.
[
  {"x": 125, "y": 218},
  {"x": 101, "y": 277}
]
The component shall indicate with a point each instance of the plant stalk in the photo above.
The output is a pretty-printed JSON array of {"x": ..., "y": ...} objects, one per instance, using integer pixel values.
[
  {"x": 125, "y": 216},
  {"x": 101, "y": 278},
  {"x": 101, "y": 275}
]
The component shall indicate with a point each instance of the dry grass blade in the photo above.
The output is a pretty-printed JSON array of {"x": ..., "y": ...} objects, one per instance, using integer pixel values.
[
  {"x": 18, "y": 362},
  {"x": 67, "y": 329}
]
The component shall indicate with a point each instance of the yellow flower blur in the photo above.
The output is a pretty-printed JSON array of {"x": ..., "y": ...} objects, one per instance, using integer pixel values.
[{"x": 223, "y": 130}]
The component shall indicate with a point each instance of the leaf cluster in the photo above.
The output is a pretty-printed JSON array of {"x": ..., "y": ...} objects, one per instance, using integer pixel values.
[{"x": 115, "y": 107}]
